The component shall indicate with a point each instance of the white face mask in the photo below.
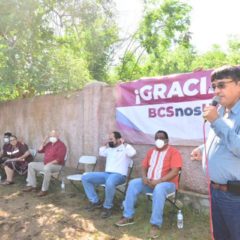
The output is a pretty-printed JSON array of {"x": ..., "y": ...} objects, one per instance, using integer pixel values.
[
  {"x": 52, "y": 139},
  {"x": 159, "y": 143},
  {"x": 6, "y": 140}
]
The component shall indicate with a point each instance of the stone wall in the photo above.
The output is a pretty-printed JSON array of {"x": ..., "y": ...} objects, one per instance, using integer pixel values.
[{"x": 84, "y": 119}]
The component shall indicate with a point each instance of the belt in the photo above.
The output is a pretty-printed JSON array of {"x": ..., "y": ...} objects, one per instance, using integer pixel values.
[{"x": 221, "y": 187}]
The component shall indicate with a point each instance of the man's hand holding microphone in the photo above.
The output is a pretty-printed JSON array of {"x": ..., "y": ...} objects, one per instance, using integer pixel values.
[{"x": 210, "y": 112}]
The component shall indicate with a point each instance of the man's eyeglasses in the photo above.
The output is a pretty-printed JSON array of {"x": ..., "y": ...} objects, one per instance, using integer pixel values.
[{"x": 220, "y": 85}]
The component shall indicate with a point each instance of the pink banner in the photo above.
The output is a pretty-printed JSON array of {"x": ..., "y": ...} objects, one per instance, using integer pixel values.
[{"x": 169, "y": 103}]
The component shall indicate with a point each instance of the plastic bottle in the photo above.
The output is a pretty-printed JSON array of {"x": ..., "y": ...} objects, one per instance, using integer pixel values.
[
  {"x": 180, "y": 219},
  {"x": 63, "y": 185}
]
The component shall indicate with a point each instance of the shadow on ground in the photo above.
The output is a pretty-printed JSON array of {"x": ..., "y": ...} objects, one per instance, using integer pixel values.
[{"x": 24, "y": 216}]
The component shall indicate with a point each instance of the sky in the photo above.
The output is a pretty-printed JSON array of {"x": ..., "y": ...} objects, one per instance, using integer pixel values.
[{"x": 212, "y": 21}]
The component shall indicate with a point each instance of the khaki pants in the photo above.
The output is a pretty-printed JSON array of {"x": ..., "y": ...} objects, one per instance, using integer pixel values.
[{"x": 48, "y": 169}]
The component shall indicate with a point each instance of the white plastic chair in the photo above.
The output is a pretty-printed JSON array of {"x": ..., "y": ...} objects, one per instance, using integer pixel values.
[{"x": 86, "y": 161}]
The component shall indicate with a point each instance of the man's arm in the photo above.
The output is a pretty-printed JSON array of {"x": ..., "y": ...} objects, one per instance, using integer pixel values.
[
  {"x": 103, "y": 151},
  {"x": 24, "y": 156},
  {"x": 168, "y": 177},
  {"x": 41, "y": 147},
  {"x": 130, "y": 151},
  {"x": 60, "y": 154},
  {"x": 144, "y": 176},
  {"x": 228, "y": 134},
  {"x": 196, "y": 154},
  {"x": 145, "y": 166}
]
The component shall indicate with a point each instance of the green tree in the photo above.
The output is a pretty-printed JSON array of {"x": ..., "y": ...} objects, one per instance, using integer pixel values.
[
  {"x": 163, "y": 32},
  {"x": 51, "y": 45},
  {"x": 211, "y": 59},
  {"x": 90, "y": 29},
  {"x": 234, "y": 51}
]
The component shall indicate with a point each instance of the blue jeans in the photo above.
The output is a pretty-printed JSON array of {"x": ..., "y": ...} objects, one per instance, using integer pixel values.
[
  {"x": 225, "y": 215},
  {"x": 111, "y": 180},
  {"x": 135, "y": 187}
]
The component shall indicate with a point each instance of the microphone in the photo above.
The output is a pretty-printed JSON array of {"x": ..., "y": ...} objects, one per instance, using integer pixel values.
[{"x": 215, "y": 102}]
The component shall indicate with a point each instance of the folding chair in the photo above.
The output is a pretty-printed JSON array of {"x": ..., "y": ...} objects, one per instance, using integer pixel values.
[
  {"x": 122, "y": 188},
  {"x": 86, "y": 161},
  {"x": 56, "y": 175},
  {"x": 171, "y": 198}
]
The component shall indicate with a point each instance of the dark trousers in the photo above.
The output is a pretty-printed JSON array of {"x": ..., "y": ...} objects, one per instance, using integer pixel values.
[{"x": 225, "y": 215}]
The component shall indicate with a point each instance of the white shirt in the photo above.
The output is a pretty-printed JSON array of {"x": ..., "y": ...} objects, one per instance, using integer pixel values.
[{"x": 118, "y": 158}]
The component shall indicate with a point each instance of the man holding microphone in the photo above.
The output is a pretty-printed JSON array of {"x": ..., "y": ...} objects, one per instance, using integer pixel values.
[{"x": 222, "y": 153}]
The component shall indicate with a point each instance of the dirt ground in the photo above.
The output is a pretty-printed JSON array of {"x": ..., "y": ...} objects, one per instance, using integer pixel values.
[{"x": 24, "y": 216}]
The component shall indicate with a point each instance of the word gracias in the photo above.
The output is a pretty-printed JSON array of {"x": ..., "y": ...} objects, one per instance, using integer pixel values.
[{"x": 191, "y": 87}]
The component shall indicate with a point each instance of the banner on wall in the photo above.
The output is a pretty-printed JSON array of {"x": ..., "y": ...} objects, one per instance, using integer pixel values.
[{"x": 172, "y": 103}]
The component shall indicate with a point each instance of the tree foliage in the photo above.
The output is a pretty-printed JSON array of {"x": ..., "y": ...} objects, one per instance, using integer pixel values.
[
  {"x": 58, "y": 45},
  {"x": 162, "y": 45},
  {"x": 51, "y": 45},
  {"x": 163, "y": 32}
]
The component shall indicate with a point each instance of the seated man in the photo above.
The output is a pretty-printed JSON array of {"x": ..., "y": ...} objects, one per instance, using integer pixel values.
[
  {"x": 6, "y": 146},
  {"x": 18, "y": 157},
  {"x": 159, "y": 176},
  {"x": 117, "y": 162},
  {"x": 54, "y": 153}
]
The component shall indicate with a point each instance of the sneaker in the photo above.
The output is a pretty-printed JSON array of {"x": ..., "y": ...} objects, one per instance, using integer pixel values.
[
  {"x": 107, "y": 212},
  {"x": 93, "y": 206},
  {"x": 124, "y": 222},
  {"x": 154, "y": 232}
]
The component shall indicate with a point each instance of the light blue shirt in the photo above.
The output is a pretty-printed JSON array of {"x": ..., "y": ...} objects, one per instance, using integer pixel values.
[{"x": 223, "y": 146}]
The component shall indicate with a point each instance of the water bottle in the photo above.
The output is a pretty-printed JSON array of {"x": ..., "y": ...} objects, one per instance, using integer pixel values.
[
  {"x": 63, "y": 185},
  {"x": 180, "y": 219},
  {"x": 0, "y": 178}
]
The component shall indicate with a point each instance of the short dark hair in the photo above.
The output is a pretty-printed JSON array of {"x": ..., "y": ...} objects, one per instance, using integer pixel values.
[
  {"x": 13, "y": 136},
  {"x": 117, "y": 135},
  {"x": 7, "y": 134},
  {"x": 161, "y": 131},
  {"x": 226, "y": 72}
]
